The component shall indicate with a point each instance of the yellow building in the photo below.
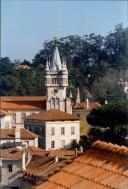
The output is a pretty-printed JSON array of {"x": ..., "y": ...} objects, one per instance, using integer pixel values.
[{"x": 82, "y": 109}]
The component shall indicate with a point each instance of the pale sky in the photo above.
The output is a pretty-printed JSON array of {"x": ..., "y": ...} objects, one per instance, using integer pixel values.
[{"x": 26, "y": 24}]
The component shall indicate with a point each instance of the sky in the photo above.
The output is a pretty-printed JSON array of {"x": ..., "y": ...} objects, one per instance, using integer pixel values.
[{"x": 26, "y": 24}]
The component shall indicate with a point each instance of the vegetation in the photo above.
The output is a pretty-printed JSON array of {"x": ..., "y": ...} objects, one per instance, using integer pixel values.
[
  {"x": 95, "y": 64},
  {"x": 113, "y": 119}
]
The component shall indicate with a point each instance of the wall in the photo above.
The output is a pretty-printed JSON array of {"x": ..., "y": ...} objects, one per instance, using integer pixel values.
[
  {"x": 82, "y": 114},
  {"x": 39, "y": 129},
  {"x": 58, "y": 137},
  {"x": 19, "y": 115},
  {"x": 10, "y": 179},
  {"x": 5, "y": 121},
  {"x": 44, "y": 130}
]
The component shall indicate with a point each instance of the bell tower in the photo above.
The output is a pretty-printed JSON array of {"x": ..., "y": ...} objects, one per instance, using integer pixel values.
[{"x": 56, "y": 81}]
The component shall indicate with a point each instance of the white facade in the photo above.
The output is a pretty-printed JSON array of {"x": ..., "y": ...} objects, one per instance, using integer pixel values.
[
  {"x": 16, "y": 118},
  {"x": 61, "y": 133},
  {"x": 5, "y": 121},
  {"x": 64, "y": 133},
  {"x": 19, "y": 115}
]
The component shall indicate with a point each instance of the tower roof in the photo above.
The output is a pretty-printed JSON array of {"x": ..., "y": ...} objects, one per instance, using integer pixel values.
[
  {"x": 56, "y": 61},
  {"x": 78, "y": 96}
]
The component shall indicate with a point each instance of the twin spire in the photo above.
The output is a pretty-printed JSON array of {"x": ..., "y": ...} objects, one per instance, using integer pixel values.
[{"x": 56, "y": 64}]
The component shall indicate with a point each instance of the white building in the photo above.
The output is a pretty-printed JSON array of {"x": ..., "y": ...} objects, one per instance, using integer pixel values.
[
  {"x": 15, "y": 108},
  {"x": 17, "y": 137},
  {"x": 56, "y": 129},
  {"x": 12, "y": 162},
  {"x": 5, "y": 119}
]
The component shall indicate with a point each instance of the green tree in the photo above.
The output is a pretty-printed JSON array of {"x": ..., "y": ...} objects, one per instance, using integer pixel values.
[{"x": 111, "y": 116}]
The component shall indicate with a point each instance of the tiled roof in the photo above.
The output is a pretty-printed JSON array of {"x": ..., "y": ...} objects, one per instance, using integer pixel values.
[
  {"x": 22, "y": 98},
  {"x": 52, "y": 115},
  {"x": 82, "y": 105},
  {"x": 9, "y": 133},
  {"x": 4, "y": 113},
  {"x": 103, "y": 166},
  {"x": 35, "y": 151},
  {"x": 11, "y": 154},
  {"x": 23, "y": 102},
  {"x": 43, "y": 164},
  {"x": 16, "y": 154}
]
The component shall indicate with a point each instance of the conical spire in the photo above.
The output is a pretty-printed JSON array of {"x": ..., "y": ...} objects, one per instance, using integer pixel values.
[
  {"x": 56, "y": 61},
  {"x": 78, "y": 96}
]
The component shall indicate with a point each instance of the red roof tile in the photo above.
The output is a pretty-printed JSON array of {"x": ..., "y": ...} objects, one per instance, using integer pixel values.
[
  {"x": 52, "y": 115},
  {"x": 103, "y": 166},
  {"x": 9, "y": 133},
  {"x": 23, "y": 102}
]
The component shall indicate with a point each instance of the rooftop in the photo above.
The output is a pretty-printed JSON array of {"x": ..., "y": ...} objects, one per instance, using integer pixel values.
[
  {"x": 4, "y": 113},
  {"x": 83, "y": 105},
  {"x": 103, "y": 166},
  {"x": 52, "y": 115},
  {"x": 44, "y": 165},
  {"x": 23, "y": 102},
  {"x": 16, "y": 154},
  {"x": 11, "y": 154},
  {"x": 9, "y": 133}
]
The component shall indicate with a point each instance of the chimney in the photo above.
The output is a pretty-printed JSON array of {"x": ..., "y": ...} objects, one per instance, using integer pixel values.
[
  {"x": 56, "y": 159},
  {"x": 87, "y": 103},
  {"x": 81, "y": 149},
  {"x": 76, "y": 152},
  {"x": 23, "y": 161}
]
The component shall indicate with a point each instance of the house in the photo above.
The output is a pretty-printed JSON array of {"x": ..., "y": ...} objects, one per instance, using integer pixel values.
[
  {"x": 12, "y": 162},
  {"x": 56, "y": 129},
  {"x": 103, "y": 166},
  {"x": 10, "y": 137},
  {"x": 82, "y": 109},
  {"x": 21, "y": 106}
]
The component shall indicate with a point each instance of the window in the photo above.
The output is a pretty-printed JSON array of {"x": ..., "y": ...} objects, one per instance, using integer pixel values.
[
  {"x": 52, "y": 131},
  {"x": 72, "y": 130},
  {"x": 10, "y": 168},
  {"x": 53, "y": 103},
  {"x": 62, "y": 130},
  {"x": 63, "y": 143},
  {"x": 52, "y": 144},
  {"x": 23, "y": 114},
  {"x": 14, "y": 117}
]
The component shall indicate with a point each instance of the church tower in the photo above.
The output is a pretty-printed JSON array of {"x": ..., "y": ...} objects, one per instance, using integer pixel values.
[{"x": 56, "y": 80}]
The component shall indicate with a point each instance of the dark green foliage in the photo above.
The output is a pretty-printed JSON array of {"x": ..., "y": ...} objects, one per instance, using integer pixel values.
[
  {"x": 113, "y": 119},
  {"x": 94, "y": 62}
]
